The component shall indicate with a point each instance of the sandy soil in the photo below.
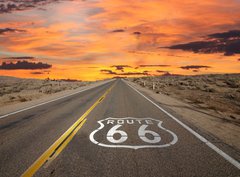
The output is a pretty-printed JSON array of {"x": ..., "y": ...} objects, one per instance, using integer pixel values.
[
  {"x": 210, "y": 102},
  {"x": 17, "y": 93}
]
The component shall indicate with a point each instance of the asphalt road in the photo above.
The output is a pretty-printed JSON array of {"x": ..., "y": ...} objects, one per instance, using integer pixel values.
[{"x": 120, "y": 133}]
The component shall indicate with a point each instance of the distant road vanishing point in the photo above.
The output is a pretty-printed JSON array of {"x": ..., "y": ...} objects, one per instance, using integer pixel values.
[{"x": 111, "y": 130}]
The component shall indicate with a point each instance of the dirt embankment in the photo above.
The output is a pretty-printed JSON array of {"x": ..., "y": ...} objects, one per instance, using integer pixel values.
[{"x": 220, "y": 93}]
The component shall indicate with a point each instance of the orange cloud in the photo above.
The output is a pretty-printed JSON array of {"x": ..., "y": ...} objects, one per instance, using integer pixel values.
[{"x": 80, "y": 38}]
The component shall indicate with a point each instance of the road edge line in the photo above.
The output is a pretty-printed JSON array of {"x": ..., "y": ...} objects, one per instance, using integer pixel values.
[
  {"x": 50, "y": 101},
  {"x": 197, "y": 135}
]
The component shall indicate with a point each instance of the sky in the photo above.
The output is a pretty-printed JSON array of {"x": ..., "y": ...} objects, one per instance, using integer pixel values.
[{"x": 99, "y": 39}]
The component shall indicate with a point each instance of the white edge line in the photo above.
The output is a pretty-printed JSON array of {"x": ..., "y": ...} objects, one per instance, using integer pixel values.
[
  {"x": 201, "y": 138},
  {"x": 27, "y": 108}
]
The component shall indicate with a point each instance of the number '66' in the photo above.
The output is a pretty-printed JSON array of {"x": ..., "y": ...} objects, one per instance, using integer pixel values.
[{"x": 141, "y": 133}]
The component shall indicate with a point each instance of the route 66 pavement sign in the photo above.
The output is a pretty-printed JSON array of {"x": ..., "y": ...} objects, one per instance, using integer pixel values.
[{"x": 132, "y": 133}]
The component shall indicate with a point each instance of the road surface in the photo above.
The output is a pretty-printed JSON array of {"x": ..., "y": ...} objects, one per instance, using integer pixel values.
[{"x": 111, "y": 131}]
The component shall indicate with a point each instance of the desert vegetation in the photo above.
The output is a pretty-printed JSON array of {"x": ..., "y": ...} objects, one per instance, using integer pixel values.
[
  {"x": 218, "y": 92},
  {"x": 13, "y": 90}
]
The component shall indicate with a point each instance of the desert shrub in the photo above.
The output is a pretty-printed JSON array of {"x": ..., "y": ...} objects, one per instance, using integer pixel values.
[
  {"x": 11, "y": 97},
  {"x": 210, "y": 90},
  {"x": 22, "y": 99},
  {"x": 16, "y": 89},
  {"x": 232, "y": 83},
  {"x": 135, "y": 79}
]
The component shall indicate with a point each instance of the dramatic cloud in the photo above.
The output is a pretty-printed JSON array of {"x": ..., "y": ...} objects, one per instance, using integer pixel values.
[
  {"x": 82, "y": 37},
  {"x": 161, "y": 71},
  {"x": 91, "y": 67},
  {"x": 40, "y": 72},
  {"x": 226, "y": 35},
  {"x": 20, "y": 5},
  {"x": 10, "y": 30},
  {"x": 227, "y": 43},
  {"x": 37, "y": 73},
  {"x": 19, "y": 58},
  {"x": 120, "y": 67},
  {"x": 106, "y": 71},
  {"x": 118, "y": 31},
  {"x": 137, "y": 33},
  {"x": 24, "y": 65},
  {"x": 194, "y": 67},
  {"x": 134, "y": 73},
  {"x": 141, "y": 66}
]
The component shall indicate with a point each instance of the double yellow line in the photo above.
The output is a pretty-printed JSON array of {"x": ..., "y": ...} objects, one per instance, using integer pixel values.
[{"x": 56, "y": 148}]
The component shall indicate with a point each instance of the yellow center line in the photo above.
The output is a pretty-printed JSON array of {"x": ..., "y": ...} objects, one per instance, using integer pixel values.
[{"x": 55, "y": 149}]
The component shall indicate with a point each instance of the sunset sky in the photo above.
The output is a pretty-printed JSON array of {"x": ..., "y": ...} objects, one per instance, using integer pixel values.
[{"x": 98, "y": 39}]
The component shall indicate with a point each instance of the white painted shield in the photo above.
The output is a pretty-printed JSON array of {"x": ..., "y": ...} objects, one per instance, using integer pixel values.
[{"x": 116, "y": 127}]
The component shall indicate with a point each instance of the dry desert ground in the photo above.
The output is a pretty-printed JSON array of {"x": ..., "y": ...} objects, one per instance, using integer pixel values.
[
  {"x": 15, "y": 90},
  {"x": 210, "y": 103}
]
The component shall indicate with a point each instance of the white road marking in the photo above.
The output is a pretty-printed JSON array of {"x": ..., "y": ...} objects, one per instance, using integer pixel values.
[
  {"x": 145, "y": 142},
  {"x": 201, "y": 138},
  {"x": 27, "y": 108}
]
